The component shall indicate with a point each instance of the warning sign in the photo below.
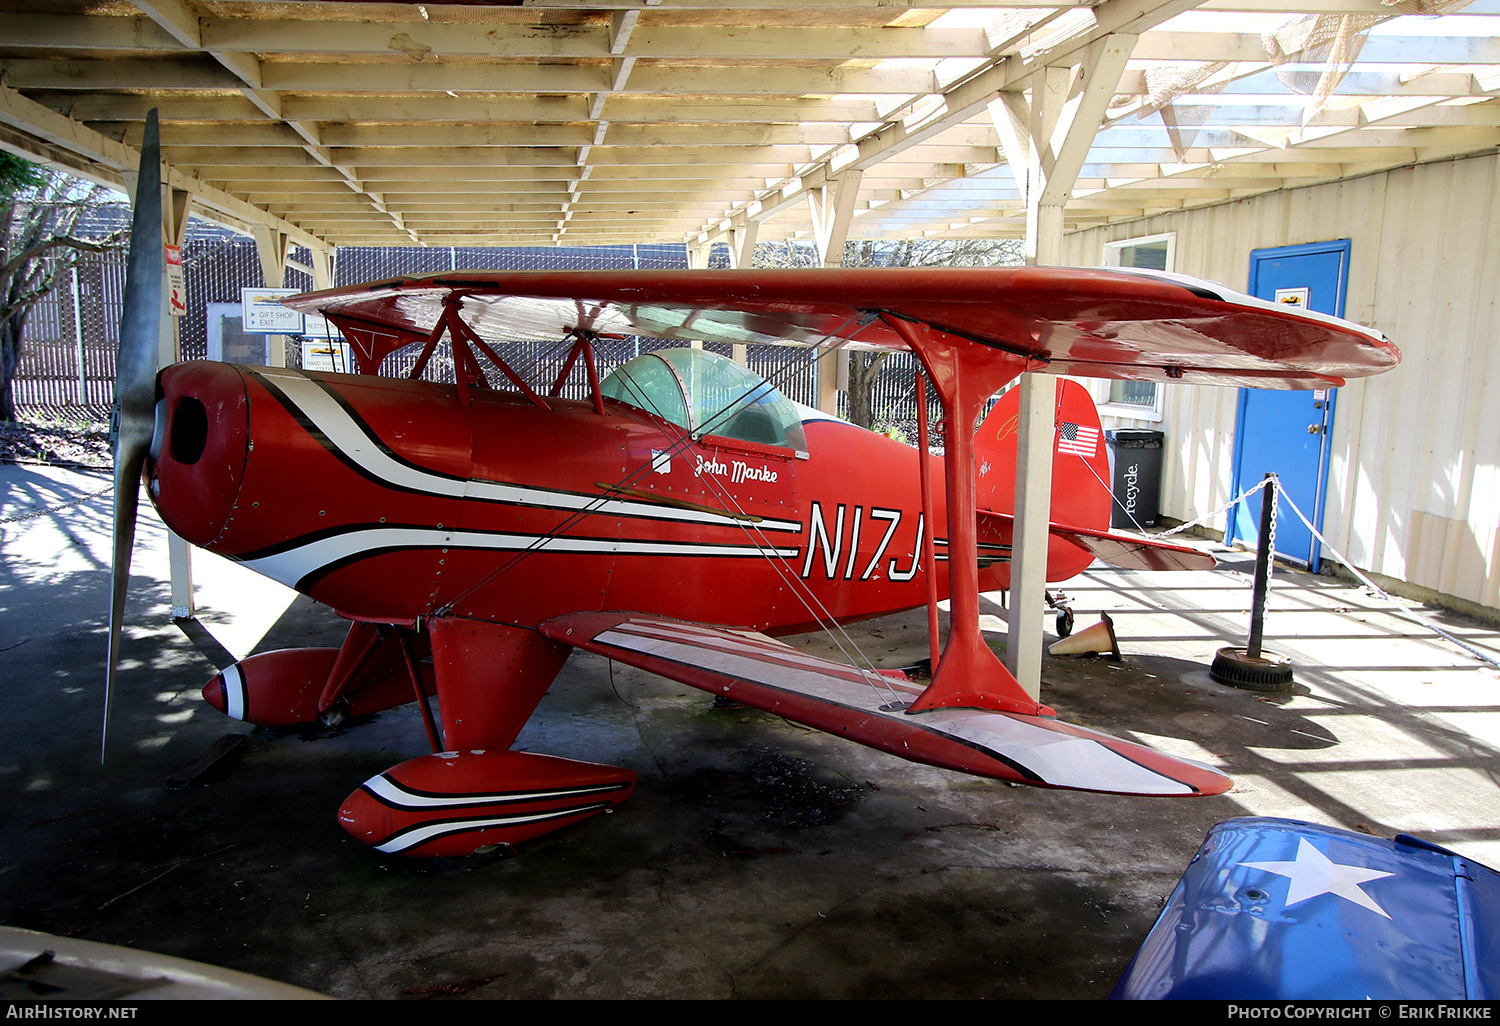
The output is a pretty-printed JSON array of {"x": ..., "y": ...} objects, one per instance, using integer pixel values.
[{"x": 176, "y": 285}]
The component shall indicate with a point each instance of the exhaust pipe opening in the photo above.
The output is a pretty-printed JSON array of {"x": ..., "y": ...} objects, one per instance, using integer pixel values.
[{"x": 189, "y": 431}]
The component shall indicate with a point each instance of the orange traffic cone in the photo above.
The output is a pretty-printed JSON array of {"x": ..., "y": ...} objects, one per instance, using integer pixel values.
[{"x": 1096, "y": 640}]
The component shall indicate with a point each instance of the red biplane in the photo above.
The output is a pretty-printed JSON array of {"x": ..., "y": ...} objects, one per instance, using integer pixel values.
[{"x": 679, "y": 518}]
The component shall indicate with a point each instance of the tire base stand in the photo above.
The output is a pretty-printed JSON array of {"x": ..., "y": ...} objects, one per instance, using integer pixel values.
[
  {"x": 1237, "y": 668},
  {"x": 1250, "y": 667}
]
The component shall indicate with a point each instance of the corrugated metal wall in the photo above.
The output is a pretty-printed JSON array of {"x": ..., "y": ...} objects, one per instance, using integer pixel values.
[{"x": 1414, "y": 484}]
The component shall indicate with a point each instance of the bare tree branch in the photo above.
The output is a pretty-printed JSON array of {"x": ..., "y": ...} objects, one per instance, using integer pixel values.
[
  {"x": 69, "y": 242},
  {"x": 38, "y": 242}
]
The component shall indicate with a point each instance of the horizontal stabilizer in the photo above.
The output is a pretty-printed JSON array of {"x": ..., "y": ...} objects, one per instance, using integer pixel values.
[
  {"x": 1135, "y": 552},
  {"x": 1128, "y": 551},
  {"x": 870, "y": 708}
]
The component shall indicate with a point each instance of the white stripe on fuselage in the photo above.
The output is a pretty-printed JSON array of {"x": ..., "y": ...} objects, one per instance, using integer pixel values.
[
  {"x": 295, "y": 564},
  {"x": 353, "y": 441}
]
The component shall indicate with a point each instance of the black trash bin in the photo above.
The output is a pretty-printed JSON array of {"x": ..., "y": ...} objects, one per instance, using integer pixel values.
[{"x": 1136, "y": 458}]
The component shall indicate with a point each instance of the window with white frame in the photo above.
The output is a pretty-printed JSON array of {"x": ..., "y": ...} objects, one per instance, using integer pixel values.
[
  {"x": 1149, "y": 252},
  {"x": 1138, "y": 400}
]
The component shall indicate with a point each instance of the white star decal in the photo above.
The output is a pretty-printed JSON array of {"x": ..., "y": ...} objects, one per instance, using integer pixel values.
[{"x": 1313, "y": 873}]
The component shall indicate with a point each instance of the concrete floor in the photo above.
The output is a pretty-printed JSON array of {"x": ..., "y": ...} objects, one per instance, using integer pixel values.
[{"x": 757, "y": 859}]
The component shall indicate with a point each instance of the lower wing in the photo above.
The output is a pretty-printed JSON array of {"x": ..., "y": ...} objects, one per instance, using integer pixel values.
[{"x": 870, "y": 708}]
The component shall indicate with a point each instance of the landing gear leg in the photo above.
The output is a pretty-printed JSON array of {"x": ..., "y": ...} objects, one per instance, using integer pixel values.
[
  {"x": 478, "y": 793},
  {"x": 489, "y": 679}
]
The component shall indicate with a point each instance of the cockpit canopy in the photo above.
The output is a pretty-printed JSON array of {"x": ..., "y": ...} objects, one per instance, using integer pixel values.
[{"x": 708, "y": 395}]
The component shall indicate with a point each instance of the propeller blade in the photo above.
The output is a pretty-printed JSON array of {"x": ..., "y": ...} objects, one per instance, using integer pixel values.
[{"x": 135, "y": 386}]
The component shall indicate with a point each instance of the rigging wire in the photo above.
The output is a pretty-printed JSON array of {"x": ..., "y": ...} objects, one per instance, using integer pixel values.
[
  {"x": 804, "y": 593},
  {"x": 791, "y": 581},
  {"x": 597, "y": 505}
]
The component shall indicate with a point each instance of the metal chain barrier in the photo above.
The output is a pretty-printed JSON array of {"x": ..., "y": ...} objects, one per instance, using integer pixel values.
[
  {"x": 1411, "y": 614},
  {"x": 1180, "y": 527},
  {"x": 1271, "y": 541},
  {"x": 1343, "y": 560},
  {"x": 1205, "y": 518},
  {"x": 34, "y": 514}
]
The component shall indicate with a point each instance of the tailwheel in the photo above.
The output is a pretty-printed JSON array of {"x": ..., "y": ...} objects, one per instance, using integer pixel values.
[
  {"x": 454, "y": 804},
  {"x": 331, "y": 720},
  {"x": 1059, "y": 602}
]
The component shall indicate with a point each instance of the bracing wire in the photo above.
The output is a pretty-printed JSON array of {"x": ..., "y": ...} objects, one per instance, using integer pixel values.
[
  {"x": 804, "y": 594},
  {"x": 598, "y": 504}
]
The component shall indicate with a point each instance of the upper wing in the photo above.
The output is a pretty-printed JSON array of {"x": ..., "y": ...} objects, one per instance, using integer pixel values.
[
  {"x": 871, "y": 708},
  {"x": 1091, "y": 322}
]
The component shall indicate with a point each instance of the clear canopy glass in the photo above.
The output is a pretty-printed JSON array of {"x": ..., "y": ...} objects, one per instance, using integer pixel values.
[{"x": 708, "y": 395}]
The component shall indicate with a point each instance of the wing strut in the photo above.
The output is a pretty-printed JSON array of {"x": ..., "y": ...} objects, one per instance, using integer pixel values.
[
  {"x": 465, "y": 341},
  {"x": 371, "y": 341},
  {"x": 965, "y": 374},
  {"x": 460, "y": 334},
  {"x": 929, "y": 554},
  {"x": 583, "y": 345}
]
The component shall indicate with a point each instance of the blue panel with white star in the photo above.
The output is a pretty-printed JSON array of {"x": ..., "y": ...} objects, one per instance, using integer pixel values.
[{"x": 1279, "y": 909}]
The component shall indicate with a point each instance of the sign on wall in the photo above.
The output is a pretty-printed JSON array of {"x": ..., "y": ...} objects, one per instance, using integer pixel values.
[
  {"x": 263, "y": 314},
  {"x": 176, "y": 285}
]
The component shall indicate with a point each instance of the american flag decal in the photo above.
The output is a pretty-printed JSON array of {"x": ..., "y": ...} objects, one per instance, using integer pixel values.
[{"x": 1078, "y": 440}]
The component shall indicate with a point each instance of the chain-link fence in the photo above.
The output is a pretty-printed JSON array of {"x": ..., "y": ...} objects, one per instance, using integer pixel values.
[{"x": 68, "y": 360}]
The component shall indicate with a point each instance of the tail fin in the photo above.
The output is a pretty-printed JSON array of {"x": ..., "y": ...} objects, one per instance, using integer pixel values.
[
  {"x": 1080, "y": 464},
  {"x": 1080, "y": 490}
]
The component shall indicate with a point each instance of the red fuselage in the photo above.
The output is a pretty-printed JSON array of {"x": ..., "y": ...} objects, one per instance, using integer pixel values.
[{"x": 389, "y": 500}]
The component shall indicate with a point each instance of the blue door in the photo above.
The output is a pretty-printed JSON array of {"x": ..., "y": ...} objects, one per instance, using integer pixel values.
[{"x": 1286, "y": 433}]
